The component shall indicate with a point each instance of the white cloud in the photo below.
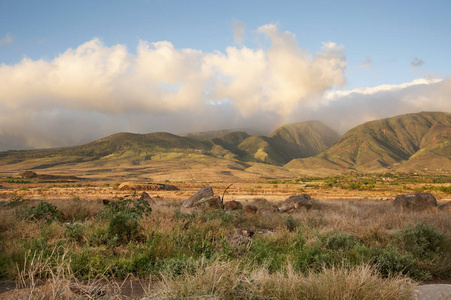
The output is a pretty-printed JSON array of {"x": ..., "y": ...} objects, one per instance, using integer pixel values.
[
  {"x": 345, "y": 109},
  {"x": 95, "y": 90},
  {"x": 168, "y": 89},
  {"x": 8, "y": 39}
]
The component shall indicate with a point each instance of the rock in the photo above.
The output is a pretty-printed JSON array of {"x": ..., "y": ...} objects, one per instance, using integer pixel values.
[
  {"x": 147, "y": 186},
  {"x": 250, "y": 208},
  {"x": 296, "y": 202},
  {"x": 106, "y": 202},
  {"x": 233, "y": 205},
  {"x": 286, "y": 207},
  {"x": 204, "y": 192},
  {"x": 146, "y": 197},
  {"x": 417, "y": 201},
  {"x": 445, "y": 206},
  {"x": 212, "y": 202},
  {"x": 28, "y": 174}
]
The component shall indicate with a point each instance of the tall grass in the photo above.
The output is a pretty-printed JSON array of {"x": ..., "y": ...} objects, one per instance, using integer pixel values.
[
  {"x": 230, "y": 280},
  {"x": 228, "y": 254}
]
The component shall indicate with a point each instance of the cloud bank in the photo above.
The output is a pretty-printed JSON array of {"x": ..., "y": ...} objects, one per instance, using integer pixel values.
[{"x": 95, "y": 90}]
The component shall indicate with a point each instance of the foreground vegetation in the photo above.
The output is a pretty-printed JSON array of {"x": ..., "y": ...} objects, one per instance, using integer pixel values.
[{"x": 338, "y": 249}]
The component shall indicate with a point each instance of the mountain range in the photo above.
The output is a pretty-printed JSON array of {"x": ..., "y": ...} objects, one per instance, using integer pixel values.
[{"x": 419, "y": 142}]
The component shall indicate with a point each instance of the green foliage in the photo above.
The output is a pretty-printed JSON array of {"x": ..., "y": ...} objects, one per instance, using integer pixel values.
[
  {"x": 341, "y": 241},
  {"x": 44, "y": 211},
  {"x": 75, "y": 231},
  {"x": 389, "y": 261},
  {"x": 422, "y": 240},
  {"x": 123, "y": 216},
  {"x": 123, "y": 228}
]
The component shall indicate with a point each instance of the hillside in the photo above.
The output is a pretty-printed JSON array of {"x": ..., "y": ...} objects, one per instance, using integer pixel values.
[
  {"x": 119, "y": 146},
  {"x": 304, "y": 139},
  {"x": 297, "y": 140},
  {"x": 412, "y": 142}
]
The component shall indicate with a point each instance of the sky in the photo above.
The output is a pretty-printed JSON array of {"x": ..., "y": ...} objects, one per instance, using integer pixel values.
[{"x": 75, "y": 71}]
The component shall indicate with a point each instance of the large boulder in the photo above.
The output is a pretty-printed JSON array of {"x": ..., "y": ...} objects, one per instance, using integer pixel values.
[
  {"x": 296, "y": 202},
  {"x": 233, "y": 205},
  {"x": 148, "y": 186},
  {"x": 417, "y": 201},
  {"x": 205, "y": 192}
]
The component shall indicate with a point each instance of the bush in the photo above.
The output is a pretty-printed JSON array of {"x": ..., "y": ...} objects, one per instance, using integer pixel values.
[
  {"x": 44, "y": 211},
  {"x": 341, "y": 241},
  {"x": 421, "y": 240},
  {"x": 123, "y": 228}
]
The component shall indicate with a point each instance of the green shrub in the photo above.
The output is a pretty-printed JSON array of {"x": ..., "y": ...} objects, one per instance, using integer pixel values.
[
  {"x": 123, "y": 228},
  {"x": 421, "y": 240},
  {"x": 75, "y": 231},
  {"x": 44, "y": 211},
  {"x": 389, "y": 261},
  {"x": 341, "y": 241}
]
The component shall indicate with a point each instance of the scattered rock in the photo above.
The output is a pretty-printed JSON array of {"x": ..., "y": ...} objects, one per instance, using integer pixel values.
[
  {"x": 146, "y": 197},
  {"x": 296, "y": 202},
  {"x": 212, "y": 202},
  {"x": 233, "y": 205},
  {"x": 417, "y": 201},
  {"x": 445, "y": 206},
  {"x": 106, "y": 202},
  {"x": 204, "y": 192},
  {"x": 147, "y": 186},
  {"x": 250, "y": 208}
]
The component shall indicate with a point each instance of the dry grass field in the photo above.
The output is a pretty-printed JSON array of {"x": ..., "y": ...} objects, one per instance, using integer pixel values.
[{"x": 59, "y": 241}]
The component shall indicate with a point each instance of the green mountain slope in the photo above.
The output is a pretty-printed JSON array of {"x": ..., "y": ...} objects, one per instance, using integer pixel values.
[
  {"x": 413, "y": 139},
  {"x": 304, "y": 139},
  {"x": 125, "y": 146},
  {"x": 297, "y": 140}
]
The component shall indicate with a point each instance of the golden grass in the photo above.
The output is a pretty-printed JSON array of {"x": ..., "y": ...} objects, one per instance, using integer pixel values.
[{"x": 230, "y": 280}]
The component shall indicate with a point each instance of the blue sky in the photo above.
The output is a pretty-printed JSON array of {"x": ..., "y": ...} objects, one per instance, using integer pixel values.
[
  {"x": 381, "y": 43},
  {"x": 390, "y": 33}
]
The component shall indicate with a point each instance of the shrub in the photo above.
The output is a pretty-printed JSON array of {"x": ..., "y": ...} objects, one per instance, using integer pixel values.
[
  {"x": 123, "y": 228},
  {"x": 421, "y": 240},
  {"x": 341, "y": 241},
  {"x": 44, "y": 211}
]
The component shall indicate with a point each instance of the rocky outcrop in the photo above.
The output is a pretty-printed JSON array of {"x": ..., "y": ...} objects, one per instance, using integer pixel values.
[
  {"x": 205, "y": 192},
  {"x": 146, "y": 186},
  {"x": 296, "y": 202},
  {"x": 417, "y": 201}
]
